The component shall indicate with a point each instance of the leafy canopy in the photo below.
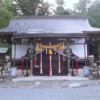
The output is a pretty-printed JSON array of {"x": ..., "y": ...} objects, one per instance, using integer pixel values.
[
  {"x": 5, "y": 44},
  {"x": 60, "y": 9},
  {"x": 28, "y": 7},
  {"x": 44, "y": 8},
  {"x": 94, "y": 14},
  {"x": 5, "y": 15},
  {"x": 81, "y": 8}
]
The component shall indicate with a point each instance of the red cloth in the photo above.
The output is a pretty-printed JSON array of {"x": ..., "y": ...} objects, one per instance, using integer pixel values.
[
  {"x": 22, "y": 60},
  {"x": 77, "y": 64},
  {"x": 34, "y": 60}
]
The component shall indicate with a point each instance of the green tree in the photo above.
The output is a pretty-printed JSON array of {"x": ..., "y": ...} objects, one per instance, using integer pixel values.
[
  {"x": 44, "y": 8},
  {"x": 28, "y": 7},
  {"x": 8, "y": 4},
  {"x": 5, "y": 15},
  {"x": 94, "y": 19},
  {"x": 60, "y": 2},
  {"x": 5, "y": 44},
  {"x": 60, "y": 9},
  {"x": 94, "y": 14},
  {"x": 81, "y": 8}
]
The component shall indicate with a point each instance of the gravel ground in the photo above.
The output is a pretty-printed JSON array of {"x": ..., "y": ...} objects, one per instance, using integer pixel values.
[{"x": 50, "y": 91}]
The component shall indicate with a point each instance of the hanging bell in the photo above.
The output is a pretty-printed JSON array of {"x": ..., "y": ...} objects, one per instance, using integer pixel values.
[
  {"x": 61, "y": 47},
  {"x": 38, "y": 49},
  {"x": 50, "y": 52}
]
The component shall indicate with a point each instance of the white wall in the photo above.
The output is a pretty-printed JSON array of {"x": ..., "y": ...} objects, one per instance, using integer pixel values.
[
  {"x": 20, "y": 50},
  {"x": 79, "y": 50},
  {"x": 76, "y": 49}
]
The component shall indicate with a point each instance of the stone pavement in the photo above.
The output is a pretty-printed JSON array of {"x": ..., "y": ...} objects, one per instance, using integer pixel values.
[
  {"x": 48, "y": 82},
  {"x": 48, "y": 78},
  {"x": 21, "y": 78},
  {"x": 83, "y": 93},
  {"x": 50, "y": 88}
]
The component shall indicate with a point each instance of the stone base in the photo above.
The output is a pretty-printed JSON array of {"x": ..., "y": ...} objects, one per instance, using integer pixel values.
[
  {"x": 68, "y": 74},
  {"x": 30, "y": 75}
]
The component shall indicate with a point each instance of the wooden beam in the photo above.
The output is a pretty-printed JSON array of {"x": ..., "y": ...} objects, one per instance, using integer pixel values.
[{"x": 77, "y": 35}]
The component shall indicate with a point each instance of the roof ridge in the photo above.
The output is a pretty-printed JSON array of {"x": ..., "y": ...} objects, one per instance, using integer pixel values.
[{"x": 52, "y": 17}]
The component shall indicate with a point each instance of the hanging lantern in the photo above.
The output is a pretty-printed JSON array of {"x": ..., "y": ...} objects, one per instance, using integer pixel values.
[
  {"x": 61, "y": 47},
  {"x": 50, "y": 52},
  {"x": 38, "y": 49}
]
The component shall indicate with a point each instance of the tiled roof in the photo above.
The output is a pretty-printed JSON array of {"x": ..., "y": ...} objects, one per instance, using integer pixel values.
[{"x": 49, "y": 24}]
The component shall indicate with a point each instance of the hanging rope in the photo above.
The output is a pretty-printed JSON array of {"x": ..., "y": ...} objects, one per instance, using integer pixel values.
[{"x": 48, "y": 46}]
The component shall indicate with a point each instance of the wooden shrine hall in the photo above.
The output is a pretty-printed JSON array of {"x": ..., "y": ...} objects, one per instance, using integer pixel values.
[{"x": 49, "y": 42}]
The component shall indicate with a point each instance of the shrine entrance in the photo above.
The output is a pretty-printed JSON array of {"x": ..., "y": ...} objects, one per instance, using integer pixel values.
[{"x": 45, "y": 65}]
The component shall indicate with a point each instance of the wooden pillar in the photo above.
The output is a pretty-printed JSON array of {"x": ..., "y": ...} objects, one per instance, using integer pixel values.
[
  {"x": 59, "y": 65},
  {"x": 88, "y": 49},
  {"x": 31, "y": 59},
  {"x": 50, "y": 63},
  {"x": 14, "y": 55},
  {"x": 87, "y": 39},
  {"x": 85, "y": 53},
  {"x": 68, "y": 55},
  {"x": 41, "y": 69}
]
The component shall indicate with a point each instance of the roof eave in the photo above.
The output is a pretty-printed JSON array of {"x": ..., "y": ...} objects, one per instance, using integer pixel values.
[
  {"x": 93, "y": 32},
  {"x": 51, "y": 35},
  {"x": 8, "y": 33}
]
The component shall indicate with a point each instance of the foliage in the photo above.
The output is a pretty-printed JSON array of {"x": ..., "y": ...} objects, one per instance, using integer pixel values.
[
  {"x": 60, "y": 9},
  {"x": 81, "y": 8},
  {"x": 3, "y": 43},
  {"x": 97, "y": 40},
  {"x": 59, "y": 2},
  {"x": 28, "y": 7},
  {"x": 43, "y": 8},
  {"x": 32, "y": 7},
  {"x": 8, "y": 4},
  {"x": 13, "y": 9},
  {"x": 94, "y": 14},
  {"x": 92, "y": 10},
  {"x": 5, "y": 17}
]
